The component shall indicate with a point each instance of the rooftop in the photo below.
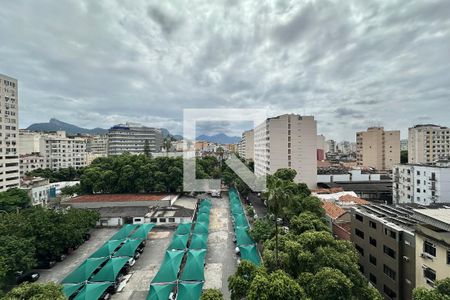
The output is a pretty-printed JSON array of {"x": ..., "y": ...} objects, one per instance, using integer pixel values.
[
  {"x": 333, "y": 210},
  {"x": 349, "y": 198},
  {"x": 120, "y": 198}
]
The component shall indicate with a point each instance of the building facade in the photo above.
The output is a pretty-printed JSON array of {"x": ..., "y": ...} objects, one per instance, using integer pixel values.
[
  {"x": 432, "y": 246},
  {"x": 421, "y": 184},
  {"x": 62, "y": 151},
  {"x": 31, "y": 162},
  {"x": 9, "y": 132},
  {"x": 287, "y": 141},
  {"x": 97, "y": 146},
  {"x": 248, "y": 145},
  {"x": 428, "y": 143},
  {"x": 377, "y": 148},
  {"x": 132, "y": 138},
  {"x": 321, "y": 147},
  {"x": 384, "y": 238}
]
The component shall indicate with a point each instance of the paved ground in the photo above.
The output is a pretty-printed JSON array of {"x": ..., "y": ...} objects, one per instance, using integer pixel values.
[
  {"x": 61, "y": 269},
  {"x": 146, "y": 266},
  {"x": 258, "y": 205},
  {"x": 221, "y": 262}
]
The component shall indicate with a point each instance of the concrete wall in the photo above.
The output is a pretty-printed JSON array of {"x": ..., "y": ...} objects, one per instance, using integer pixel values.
[{"x": 120, "y": 204}]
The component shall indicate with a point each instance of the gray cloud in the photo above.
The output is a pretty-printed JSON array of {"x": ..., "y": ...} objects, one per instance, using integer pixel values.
[{"x": 351, "y": 64}]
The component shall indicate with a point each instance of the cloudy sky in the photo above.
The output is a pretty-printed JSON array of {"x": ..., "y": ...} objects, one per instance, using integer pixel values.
[{"x": 351, "y": 64}]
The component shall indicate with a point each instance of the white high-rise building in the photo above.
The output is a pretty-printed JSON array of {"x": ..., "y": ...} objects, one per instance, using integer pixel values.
[
  {"x": 132, "y": 138},
  {"x": 422, "y": 184},
  {"x": 9, "y": 131},
  {"x": 247, "y": 145},
  {"x": 287, "y": 141},
  {"x": 57, "y": 149},
  {"x": 428, "y": 143}
]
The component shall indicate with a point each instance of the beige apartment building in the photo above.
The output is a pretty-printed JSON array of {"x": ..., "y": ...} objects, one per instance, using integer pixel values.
[
  {"x": 378, "y": 148},
  {"x": 287, "y": 141},
  {"x": 247, "y": 145},
  {"x": 9, "y": 131},
  {"x": 432, "y": 246},
  {"x": 428, "y": 143}
]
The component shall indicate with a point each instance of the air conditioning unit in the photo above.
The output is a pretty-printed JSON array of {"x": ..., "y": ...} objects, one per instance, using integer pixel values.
[
  {"x": 405, "y": 258},
  {"x": 426, "y": 255}
]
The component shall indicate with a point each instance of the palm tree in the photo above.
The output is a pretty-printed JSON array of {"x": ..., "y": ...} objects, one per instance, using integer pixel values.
[{"x": 278, "y": 196}]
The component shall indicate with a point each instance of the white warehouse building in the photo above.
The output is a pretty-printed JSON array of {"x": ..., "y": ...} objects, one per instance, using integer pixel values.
[{"x": 421, "y": 184}]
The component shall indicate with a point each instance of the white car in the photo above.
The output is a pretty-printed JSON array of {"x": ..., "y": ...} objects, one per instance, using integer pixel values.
[
  {"x": 131, "y": 262},
  {"x": 215, "y": 193}
]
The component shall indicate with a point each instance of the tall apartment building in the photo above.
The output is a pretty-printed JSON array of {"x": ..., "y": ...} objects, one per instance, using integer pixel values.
[
  {"x": 63, "y": 152},
  {"x": 56, "y": 149},
  {"x": 384, "y": 237},
  {"x": 378, "y": 148},
  {"x": 330, "y": 146},
  {"x": 428, "y": 143},
  {"x": 432, "y": 246},
  {"x": 287, "y": 141},
  {"x": 97, "y": 146},
  {"x": 247, "y": 145},
  {"x": 132, "y": 137},
  {"x": 9, "y": 131},
  {"x": 421, "y": 184}
]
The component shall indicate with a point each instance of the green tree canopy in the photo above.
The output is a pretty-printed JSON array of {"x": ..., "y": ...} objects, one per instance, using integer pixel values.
[
  {"x": 36, "y": 291},
  {"x": 211, "y": 294},
  {"x": 275, "y": 286},
  {"x": 13, "y": 199},
  {"x": 440, "y": 292}
]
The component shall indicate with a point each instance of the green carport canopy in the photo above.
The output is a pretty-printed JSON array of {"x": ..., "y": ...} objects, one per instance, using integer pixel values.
[
  {"x": 195, "y": 266},
  {"x": 84, "y": 271},
  {"x": 189, "y": 291},
  {"x": 178, "y": 242},
  {"x": 92, "y": 291},
  {"x": 206, "y": 202},
  {"x": 199, "y": 241},
  {"x": 242, "y": 236},
  {"x": 110, "y": 271},
  {"x": 183, "y": 228},
  {"x": 124, "y": 232},
  {"x": 203, "y": 217},
  {"x": 169, "y": 267},
  {"x": 142, "y": 231},
  {"x": 240, "y": 220},
  {"x": 201, "y": 228},
  {"x": 107, "y": 249},
  {"x": 160, "y": 291},
  {"x": 250, "y": 253},
  {"x": 70, "y": 289},
  {"x": 204, "y": 209},
  {"x": 128, "y": 248}
]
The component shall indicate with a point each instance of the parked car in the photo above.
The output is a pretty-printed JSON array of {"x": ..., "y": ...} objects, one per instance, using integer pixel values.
[
  {"x": 27, "y": 277},
  {"x": 46, "y": 264},
  {"x": 215, "y": 193},
  {"x": 137, "y": 254}
]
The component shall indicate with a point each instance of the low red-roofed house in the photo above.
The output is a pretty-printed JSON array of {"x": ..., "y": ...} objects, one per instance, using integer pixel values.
[{"x": 338, "y": 220}]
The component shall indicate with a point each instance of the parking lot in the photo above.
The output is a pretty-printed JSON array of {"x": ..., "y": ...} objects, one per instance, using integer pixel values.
[
  {"x": 146, "y": 266},
  {"x": 62, "y": 269},
  {"x": 220, "y": 258},
  {"x": 221, "y": 261}
]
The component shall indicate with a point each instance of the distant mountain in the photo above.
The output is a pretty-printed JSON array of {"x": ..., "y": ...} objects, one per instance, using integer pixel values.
[
  {"x": 54, "y": 125},
  {"x": 219, "y": 138},
  {"x": 166, "y": 133}
]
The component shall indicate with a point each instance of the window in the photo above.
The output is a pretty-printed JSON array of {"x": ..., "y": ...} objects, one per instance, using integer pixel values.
[
  {"x": 448, "y": 257},
  {"x": 390, "y": 233},
  {"x": 429, "y": 274},
  {"x": 137, "y": 220},
  {"x": 388, "y": 251},
  {"x": 429, "y": 248},
  {"x": 172, "y": 220},
  {"x": 372, "y": 224},
  {"x": 373, "y": 260},
  {"x": 390, "y": 293},
  {"x": 359, "y": 217},
  {"x": 162, "y": 220},
  {"x": 389, "y": 272},
  {"x": 360, "y": 250},
  {"x": 372, "y": 241},
  {"x": 359, "y": 233},
  {"x": 373, "y": 278}
]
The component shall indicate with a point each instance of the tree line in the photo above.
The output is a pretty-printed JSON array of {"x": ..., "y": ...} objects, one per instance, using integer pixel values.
[
  {"x": 63, "y": 174},
  {"x": 34, "y": 235},
  {"x": 303, "y": 260}
]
